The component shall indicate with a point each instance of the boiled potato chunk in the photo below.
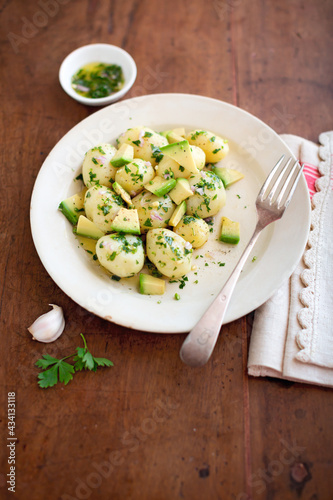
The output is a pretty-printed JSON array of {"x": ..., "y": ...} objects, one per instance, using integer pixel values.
[
  {"x": 96, "y": 167},
  {"x": 121, "y": 254},
  {"x": 133, "y": 176},
  {"x": 214, "y": 146},
  {"x": 144, "y": 141},
  {"x": 209, "y": 195},
  {"x": 193, "y": 230},
  {"x": 101, "y": 205},
  {"x": 170, "y": 253},
  {"x": 154, "y": 211}
]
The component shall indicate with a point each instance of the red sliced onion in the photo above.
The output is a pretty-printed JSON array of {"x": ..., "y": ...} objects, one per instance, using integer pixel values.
[
  {"x": 81, "y": 88},
  {"x": 200, "y": 190},
  {"x": 147, "y": 163},
  {"x": 203, "y": 174},
  {"x": 193, "y": 189},
  {"x": 101, "y": 159},
  {"x": 156, "y": 216}
]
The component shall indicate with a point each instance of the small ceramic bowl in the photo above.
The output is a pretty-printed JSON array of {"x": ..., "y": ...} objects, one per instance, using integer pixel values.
[{"x": 97, "y": 52}]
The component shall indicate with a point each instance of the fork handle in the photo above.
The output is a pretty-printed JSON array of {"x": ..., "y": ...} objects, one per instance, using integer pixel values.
[{"x": 200, "y": 342}]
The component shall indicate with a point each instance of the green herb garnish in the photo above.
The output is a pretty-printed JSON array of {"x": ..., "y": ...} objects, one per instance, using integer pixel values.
[{"x": 58, "y": 370}]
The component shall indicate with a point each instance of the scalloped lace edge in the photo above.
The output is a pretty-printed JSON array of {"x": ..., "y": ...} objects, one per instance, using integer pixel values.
[{"x": 305, "y": 337}]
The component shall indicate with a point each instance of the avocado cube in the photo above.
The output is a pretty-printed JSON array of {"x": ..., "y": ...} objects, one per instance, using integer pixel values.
[
  {"x": 88, "y": 229},
  {"x": 165, "y": 133},
  {"x": 230, "y": 232},
  {"x": 126, "y": 221},
  {"x": 178, "y": 214},
  {"x": 88, "y": 244},
  {"x": 149, "y": 285},
  {"x": 174, "y": 137},
  {"x": 124, "y": 155},
  {"x": 73, "y": 206},
  {"x": 160, "y": 186},
  {"x": 181, "y": 191},
  {"x": 228, "y": 175},
  {"x": 118, "y": 189},
  {"x": 181, "y": 153}
]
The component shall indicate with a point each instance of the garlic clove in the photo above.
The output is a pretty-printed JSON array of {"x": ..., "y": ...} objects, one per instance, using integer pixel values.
[{"x": 48, "y": 327}]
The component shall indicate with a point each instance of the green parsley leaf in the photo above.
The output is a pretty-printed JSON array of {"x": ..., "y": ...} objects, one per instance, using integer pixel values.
[
  {"x": 88, "y": 360},
  {"x": 60, "y": 371},
  {"x": 57, "y": 370},
  {"x": 85, "y": 360},
  {"x": 103, "y": 362}
]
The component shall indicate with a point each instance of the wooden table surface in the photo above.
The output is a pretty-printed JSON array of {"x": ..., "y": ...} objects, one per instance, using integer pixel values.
[{"x": 152, "y": 428}]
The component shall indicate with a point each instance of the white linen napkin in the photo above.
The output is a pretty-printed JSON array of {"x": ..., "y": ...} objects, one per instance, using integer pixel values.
[{"x": 292, "y": 335}]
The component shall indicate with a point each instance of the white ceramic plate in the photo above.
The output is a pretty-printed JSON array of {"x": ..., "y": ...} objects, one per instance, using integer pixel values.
[{"x": 254, "y": 149}]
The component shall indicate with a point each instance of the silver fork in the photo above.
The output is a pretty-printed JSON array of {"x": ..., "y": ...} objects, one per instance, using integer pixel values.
[{"x": 200, "y": 342}]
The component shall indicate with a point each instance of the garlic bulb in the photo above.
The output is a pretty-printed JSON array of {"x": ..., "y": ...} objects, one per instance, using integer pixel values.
[{"x": 48, "y": 327}]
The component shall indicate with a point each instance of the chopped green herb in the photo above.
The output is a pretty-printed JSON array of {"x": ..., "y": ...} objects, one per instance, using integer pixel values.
[
  {"x": 105, "y": 209},
  {"x": 198, "y": 132},
  {"x": 148, "y": 223},
  {"x": 156, "y": 153},
  {"x": 112, "y": 256}
]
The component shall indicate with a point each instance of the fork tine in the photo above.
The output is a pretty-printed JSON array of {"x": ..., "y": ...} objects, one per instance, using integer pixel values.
[
  {"x": 293, "y": 187},
  {"x": 278, "y": 180},
  {"x": 286, "y": 183},
  {"x": 269, "y": 178}
]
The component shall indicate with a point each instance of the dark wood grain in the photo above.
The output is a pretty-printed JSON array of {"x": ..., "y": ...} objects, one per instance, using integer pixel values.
[{"x": 152, "y": 428}]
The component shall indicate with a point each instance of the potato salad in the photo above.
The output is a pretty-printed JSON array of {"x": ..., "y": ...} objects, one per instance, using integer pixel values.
[{"x": 149, "y": 200}]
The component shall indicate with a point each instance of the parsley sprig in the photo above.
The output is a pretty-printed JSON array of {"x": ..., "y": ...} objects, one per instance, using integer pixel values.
[{"x": 58, "y": 370}]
